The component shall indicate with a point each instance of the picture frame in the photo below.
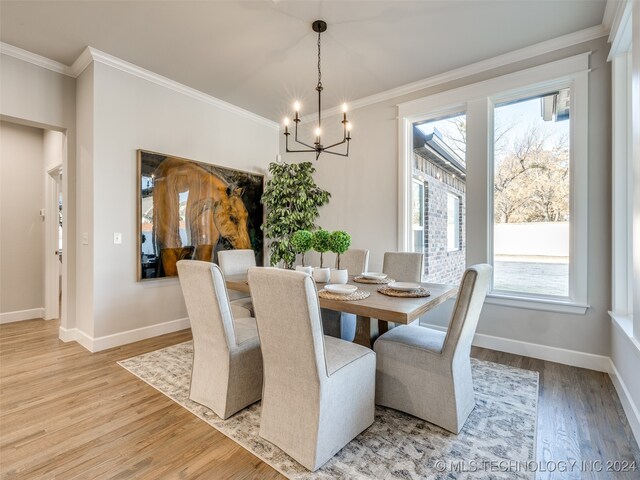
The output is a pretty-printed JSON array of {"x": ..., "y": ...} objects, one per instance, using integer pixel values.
[{"x": 187, "y": 209}]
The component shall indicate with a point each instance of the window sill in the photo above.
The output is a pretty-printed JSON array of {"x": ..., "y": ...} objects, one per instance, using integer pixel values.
[
  {"x": 543, "y": 304},
  {"x": 625, "y": 324}
]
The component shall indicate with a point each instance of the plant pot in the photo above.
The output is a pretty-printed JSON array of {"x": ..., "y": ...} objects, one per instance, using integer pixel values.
[
  {"x": 339, "y": 276},
  {"x": 300, "y": 268},
  {"x": 321, "y": 275}
]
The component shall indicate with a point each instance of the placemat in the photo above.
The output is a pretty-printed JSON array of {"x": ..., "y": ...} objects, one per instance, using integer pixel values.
[
  {"x": 422, "y": 292},
  {"x": 357, "y": 295},
  {"x": 376, "y": 281}
]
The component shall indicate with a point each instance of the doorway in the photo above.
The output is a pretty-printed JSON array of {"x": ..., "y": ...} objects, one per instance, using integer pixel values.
[{"x": 53, "y": 243}]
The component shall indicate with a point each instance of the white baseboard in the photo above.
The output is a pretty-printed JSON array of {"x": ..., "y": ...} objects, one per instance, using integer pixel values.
[
  {"x": 574, "y": 358},
  {"x": 18, "y": 316},
  {"x": 629, "y": 406},
  {"x": 122, "y": 338}
]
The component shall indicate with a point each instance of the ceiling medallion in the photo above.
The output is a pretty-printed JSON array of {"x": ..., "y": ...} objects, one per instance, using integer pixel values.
[{"x": 318, "y": 26}]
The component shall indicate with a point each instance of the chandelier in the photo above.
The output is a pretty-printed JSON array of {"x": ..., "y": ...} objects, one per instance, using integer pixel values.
[{"x": 319, "y": 26}]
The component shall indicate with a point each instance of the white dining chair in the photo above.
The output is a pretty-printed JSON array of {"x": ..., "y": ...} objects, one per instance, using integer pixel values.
[
  {"x": 318, "y": 390},
  {"x": 404, "y": 266},
  {"x": 427, "y": 373},
  {"x": 236, "y": 262},
  {"x": 227, "y": 363},
  {"x": 340, "y": 324}
]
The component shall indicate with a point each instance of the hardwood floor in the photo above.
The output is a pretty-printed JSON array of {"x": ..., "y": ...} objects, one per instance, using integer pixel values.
[{"x": 66, "y": 413}]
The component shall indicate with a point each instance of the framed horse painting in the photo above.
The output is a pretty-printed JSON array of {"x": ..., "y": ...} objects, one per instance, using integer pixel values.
[{"x": 192, "y": 210}]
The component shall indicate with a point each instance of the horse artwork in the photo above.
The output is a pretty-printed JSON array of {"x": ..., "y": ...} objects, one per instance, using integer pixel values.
[{"x": 192, "y": 210}]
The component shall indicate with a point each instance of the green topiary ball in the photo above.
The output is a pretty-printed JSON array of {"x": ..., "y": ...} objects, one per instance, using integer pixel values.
[
  {"x": 339, "y": 242},
  {"x": 301, "y": 241},
  {"x": 320, "y": 242}
]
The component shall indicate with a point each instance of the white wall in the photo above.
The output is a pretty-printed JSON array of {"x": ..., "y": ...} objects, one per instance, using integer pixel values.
[
  {"x": 364, "y": 189},
  {"x": 84, "y": 194},
  {"x": 36, "y": 96},
  {"x": 21, "y": 226},
  {"x": 129, "y": 113}
]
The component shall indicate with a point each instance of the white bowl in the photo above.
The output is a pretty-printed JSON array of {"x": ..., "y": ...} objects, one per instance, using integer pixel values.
[
  {"x": 341, "y": 289},
  {"x": 405, "y": 286},
  {"x": 374, "y": 275}
]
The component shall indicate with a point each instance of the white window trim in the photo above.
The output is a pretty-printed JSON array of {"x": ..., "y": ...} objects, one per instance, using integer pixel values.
[
  {"x": 476, "y": 101},
  {"x": 625, "y": 274}
]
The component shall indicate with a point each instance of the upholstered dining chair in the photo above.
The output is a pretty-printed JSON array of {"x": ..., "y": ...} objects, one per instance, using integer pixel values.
[
  {"x": 318, "y": 390},
  {"x": 236, "y": 262},
  {"x": 340, "y": 324},
  {"x": 404, "y": 266},
  {"x": 427, "y": 373},
  {"x": 354, "y": 260},
  {"x": 227, "y": 363}
]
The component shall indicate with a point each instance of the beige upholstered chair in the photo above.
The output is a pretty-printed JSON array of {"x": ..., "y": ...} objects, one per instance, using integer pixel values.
[
  {"x": 340, "y": 324},
  {"x": 427, "y": 373},
  {"x": 354, "y": 260},
  {"x": 404, "y": 266},
  {"x": 236, "y": 262},
  {"x": 227, "y": 363},
  {"x": 318, "y": 390}
]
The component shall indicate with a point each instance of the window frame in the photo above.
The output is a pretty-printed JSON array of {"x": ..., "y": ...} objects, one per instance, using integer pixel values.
[
  {"x": 477, "y": 102},
  {"x": 457, "y": 226}
]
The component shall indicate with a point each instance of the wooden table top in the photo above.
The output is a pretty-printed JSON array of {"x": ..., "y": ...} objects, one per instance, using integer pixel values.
[{"x": 383, "y": 307}]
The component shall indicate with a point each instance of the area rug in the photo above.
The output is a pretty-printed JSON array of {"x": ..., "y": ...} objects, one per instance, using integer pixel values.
[{"x": 497, "y": 441}]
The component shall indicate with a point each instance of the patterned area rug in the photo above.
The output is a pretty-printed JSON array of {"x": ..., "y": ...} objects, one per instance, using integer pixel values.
[{"x": 497, "y": 441}]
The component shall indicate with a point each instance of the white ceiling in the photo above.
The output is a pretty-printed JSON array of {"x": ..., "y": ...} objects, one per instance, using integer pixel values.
[{"x": 260, "y": 55}]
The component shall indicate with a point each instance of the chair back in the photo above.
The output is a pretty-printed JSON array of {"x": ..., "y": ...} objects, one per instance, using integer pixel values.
[
  {"x": 290, "y": 328},
  {"x": 236, "y": 262},
  {"x": 354, "y": 260},
  {"x": 205, "y": 296},
  {"x": 404, "y": 266},
  {"x": 466, "y": 312}
]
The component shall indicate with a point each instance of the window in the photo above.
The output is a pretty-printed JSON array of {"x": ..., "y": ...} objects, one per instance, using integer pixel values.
[
  {"x": 438, "y": 180},
  {"x": 417, "y": 216},
  {"x": 523, "y": 202},
  {"x": 453, "y": 222},
  {"x": 531, "y": 201}
]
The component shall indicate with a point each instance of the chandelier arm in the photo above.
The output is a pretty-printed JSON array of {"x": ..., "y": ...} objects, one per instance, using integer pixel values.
[
  {"x": 313, "y": 149},
  {"x": 299, "y": 151},
  {"x": 336, "y": 144},
  {"x": 337, "y": 153}
]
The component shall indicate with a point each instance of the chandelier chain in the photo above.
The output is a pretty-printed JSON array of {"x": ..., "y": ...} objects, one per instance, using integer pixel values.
[{"x": 319, "y": 71}]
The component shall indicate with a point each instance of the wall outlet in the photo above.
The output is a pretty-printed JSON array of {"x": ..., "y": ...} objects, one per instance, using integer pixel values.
[
  {"x": 117, "y": 238},
  {"x": 85, "y": 239}
]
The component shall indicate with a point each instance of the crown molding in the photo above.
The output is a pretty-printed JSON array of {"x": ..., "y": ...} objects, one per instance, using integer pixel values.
[
  {"x": 541, "y": 48},
  {"x": 35, "y": 59},
  {"x": 90, "y": 54},
  {"x": 82, "y": 62},
  {"x": 122, "y": 65},
  {"x": 618, "y": 15}
]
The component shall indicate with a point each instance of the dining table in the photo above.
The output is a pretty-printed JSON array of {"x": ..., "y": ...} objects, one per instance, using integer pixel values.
[{"x": 384, "y": 308}]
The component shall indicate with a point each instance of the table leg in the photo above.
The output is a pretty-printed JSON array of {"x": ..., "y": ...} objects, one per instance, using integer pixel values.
[
  {"x": 363, "y": 331},
  {"x": 383, "y": 327}
]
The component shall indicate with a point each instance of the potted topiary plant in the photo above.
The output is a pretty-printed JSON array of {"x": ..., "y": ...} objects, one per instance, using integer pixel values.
[
  {"x": 320, "y": 244},
  {"x": 291, "y": 198},
  {"x": 339, "y": 242},
  {"x": 301, "y": 242}
]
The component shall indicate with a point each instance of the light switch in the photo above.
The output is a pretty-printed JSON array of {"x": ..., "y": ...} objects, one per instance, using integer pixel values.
[
  {"x": 117, "y": 238},
  {"x": 85, "y": 239}
]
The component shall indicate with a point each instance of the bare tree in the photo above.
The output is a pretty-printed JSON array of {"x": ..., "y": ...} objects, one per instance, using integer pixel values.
[{"x": 531, "y": 182}]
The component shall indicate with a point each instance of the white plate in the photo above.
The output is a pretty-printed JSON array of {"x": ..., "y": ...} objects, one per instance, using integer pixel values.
[
  {"x": 341, "y": 289},
  {"x": 405, "y": 286},
  {"x": 374, "y": 275}
]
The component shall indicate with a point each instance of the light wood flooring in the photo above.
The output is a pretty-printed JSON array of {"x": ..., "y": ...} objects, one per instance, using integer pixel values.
[{"x": 66, "y": 413}]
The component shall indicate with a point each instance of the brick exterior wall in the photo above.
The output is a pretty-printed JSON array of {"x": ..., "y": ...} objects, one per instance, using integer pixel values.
[{"x": 440, "y": 265}]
